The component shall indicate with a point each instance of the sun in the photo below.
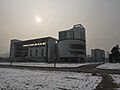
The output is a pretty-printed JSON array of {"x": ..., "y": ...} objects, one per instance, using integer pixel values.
[{"x": 38, "y": 19}]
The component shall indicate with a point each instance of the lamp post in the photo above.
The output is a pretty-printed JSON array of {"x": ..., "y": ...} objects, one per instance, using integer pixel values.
[
  {"x": 76, "y": 58},
  {"x": 55, "y": 56},
  {"x": 10, "y": 61}
]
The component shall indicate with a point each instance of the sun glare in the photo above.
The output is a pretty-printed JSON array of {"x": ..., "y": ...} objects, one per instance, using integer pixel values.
[{"x": 38, "y": 19}]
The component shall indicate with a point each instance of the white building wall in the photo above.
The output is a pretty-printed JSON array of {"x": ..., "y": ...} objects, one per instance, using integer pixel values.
[
  {"x": 51, "y": 49},
  {"x": 70, "y": 34},
  {"x": 77, "y": 32},
  {"x": 75, "y": 35},
  {"x": 33, "y": 49},
  {"x": 65, "y": 50},
  {"x": 39, "y": 56},
  {"x": 12, "y": 47}
]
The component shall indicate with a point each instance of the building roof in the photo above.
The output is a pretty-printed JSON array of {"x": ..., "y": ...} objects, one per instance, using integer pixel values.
[
  {"x": 75, "y": 26},
  {"x": 37, "y": 39}
]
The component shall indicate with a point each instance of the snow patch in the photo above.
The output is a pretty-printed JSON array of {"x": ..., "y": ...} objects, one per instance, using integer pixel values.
[
  {"x": 109, "y": 66},
  {"x": 116, "y": 79},
  {"x": 15, "y": 79},
  {"x": 37, "y": 64}
]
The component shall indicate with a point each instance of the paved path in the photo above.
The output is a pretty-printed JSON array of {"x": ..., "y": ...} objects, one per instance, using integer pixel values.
[{"x": 106, "y": 83}]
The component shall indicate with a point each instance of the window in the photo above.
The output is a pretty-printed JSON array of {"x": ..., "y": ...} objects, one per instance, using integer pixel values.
[
  {"x": 71, "y": 34},
  {"x": 36, "y": 44},
  {"x": 42, "y": 52},
  {"x": 36, "y": 52},
  {"x": 44, "y": 43},
  {"x": 30, "y": 52},
  {"x": 77, "y": 52},
  {"x": 31, "y": 44},
  {"x": 26, "y": 45},
  {"x": 77, "y": 46}
]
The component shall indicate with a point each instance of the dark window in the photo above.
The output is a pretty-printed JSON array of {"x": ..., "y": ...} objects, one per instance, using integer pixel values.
[
  {"x": 77, "y": 46},
  {"x": 30, "y": 52},
  {"x": 71, "y": 35},
  {"x": 42, "y": 52},
  {"x": 77, "y": 52},
  {"x": 36, "y": 52}
]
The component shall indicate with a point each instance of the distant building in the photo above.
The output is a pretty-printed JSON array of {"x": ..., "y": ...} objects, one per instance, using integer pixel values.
[
  {"x": 98, "y": 55},
  {"x": 42, "y": 49},
  {"x": 72, "y": 44}
]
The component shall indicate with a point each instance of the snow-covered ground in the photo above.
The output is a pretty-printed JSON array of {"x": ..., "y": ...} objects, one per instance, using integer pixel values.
[
  {"x": 46, "y": 64},
  {"x": 15, "y": 79},
  {"x": 116, "y": 79},
  {"x": 109, "y": 66}
]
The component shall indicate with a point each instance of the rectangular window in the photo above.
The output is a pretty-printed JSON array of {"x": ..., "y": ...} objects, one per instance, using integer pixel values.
[
  {"x": 42, "y": 52},
  {"x": 77, "y": 46},
  {"x": 71, "y": 34},
  {"x": 77, "y": 52},
  {"x": 30, "y": 52},
  {"x": 36, "y": 52}
]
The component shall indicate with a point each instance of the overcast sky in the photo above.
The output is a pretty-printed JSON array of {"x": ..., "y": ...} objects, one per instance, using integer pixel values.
[{"x": 101, "y": 19}]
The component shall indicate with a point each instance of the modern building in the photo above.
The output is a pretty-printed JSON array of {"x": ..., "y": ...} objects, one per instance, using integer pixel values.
[
  {"x": 71, "y": 47},
  {"x": 97, "y": 55},
  {"x": 72, "y": 44},
  {"x": 42, "y": 49}
]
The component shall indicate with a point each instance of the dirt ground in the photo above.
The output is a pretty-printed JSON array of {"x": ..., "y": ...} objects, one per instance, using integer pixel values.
[{"x": 106, "y": 83}]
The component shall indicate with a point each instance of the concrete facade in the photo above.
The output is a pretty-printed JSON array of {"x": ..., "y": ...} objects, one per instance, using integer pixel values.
[
  {"x": 72, "y": 44},
  {"x": 12, "y": 47},
  {"x": 41, "y": 50},
  {"x": 77, "y": 32}
]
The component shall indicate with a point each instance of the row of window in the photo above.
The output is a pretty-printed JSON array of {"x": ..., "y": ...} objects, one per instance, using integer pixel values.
[
  {"x": 36, "y": 52},
  {"x": 77, "y": 52},
  {"x": 34, "y": 44},
  {"x": 78, "y": 46}
]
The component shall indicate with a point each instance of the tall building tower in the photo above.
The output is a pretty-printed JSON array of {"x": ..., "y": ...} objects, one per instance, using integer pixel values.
[
  {"x": 72, "y": 44},
  {"x": 77, "y": 32}
]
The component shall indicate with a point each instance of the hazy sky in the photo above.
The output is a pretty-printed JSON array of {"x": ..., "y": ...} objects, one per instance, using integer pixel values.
[{"x": 101, "y": 19}]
